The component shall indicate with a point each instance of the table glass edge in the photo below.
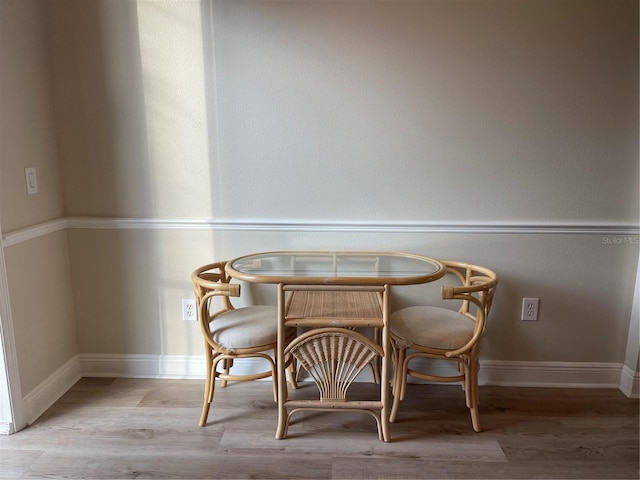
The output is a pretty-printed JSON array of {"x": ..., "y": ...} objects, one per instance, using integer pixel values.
[{"x": 323, "y": 280}]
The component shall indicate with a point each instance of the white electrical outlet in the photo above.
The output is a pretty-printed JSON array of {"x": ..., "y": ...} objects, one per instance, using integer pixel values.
[
  {"x": 189, "y": 309},
  {"x": 530, "y": 309}
]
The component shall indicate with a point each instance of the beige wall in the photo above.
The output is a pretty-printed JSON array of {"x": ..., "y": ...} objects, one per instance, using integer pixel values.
[
  {"x": 42, "y": 307},
  {"x": 38, "y": 272},
  {"x": 26, "y": 120},
  {"x": 349, "y": 111},
  {"x": 439, "y": 111},
  {"x": 98, "y": 98},
  {"x": 132, "y": 306},
  {"x": 471, "y": 113}
]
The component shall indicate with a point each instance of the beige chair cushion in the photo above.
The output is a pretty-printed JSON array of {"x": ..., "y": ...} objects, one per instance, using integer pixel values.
[
  {"x": 432, "y": 327},
  {"x": 246, "y": 327}
]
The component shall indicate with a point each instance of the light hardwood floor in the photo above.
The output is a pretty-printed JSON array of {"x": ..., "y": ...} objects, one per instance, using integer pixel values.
[{"x": 141, "y": 428}]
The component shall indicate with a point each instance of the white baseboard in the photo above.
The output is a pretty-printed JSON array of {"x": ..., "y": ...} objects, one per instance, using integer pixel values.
[
  {"x": 550, "y": 374},
  {"x": 492, "y": 372},
  {"x": 630, "y": 382},
  {"x": 6, "y": 428},
  {"x": 152, "y": 366},
  {"x": 36, "y": 402}
]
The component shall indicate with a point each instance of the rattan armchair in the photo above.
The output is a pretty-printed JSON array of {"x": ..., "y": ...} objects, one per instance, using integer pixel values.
[
  {"x": 231, "y": 333},
  {"x": 440, "y": 333}
]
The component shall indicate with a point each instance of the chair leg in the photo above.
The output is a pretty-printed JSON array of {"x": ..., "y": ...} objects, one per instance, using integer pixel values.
[
  {"x": 472, "y": 395},
  {"x": 469, "y": 366},
  {"x": 462, "y": 369},
  {"x": 399, "y": 382},
  {"x": 208, "y": 388},
  {"x": 293, "y": 374},
  {"x": 376, "y": 364},
  {"x": 404, "y": 365},
  {"x": 466, "y": 386},
  {"x": 375, "y": 370},
  {"x": 274, "y": 382},
  {"x": 397, "y": 365},
  {"x": 226, "y": 366}
]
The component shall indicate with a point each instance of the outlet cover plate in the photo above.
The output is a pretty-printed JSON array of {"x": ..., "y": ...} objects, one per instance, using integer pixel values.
[
  {"x": 530, "y": 309},
  {"x": 189, "y": 309}
]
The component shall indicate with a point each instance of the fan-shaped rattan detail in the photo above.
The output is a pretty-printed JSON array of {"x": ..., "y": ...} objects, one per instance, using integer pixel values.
[{"x": 333, "y": 357}]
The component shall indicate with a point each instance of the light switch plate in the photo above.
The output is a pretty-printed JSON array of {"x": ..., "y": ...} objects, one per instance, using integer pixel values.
[{"x": 31, "y": 179}]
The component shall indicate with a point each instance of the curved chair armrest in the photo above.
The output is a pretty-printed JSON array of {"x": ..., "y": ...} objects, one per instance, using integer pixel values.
[
  {"x": 226, "y": 289},
  {"x": 207, "y": 282},
  {"x": 206, "y": 279},
  {"x": 483, "y": 283},
  {"x": 479, "y": 284},
  {"x": 479, "y": 324}
]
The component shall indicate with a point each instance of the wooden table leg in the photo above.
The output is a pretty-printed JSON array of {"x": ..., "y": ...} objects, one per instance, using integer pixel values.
[
  {"x": 281, "y": 431},
  {"x": 384, "y": 382}
]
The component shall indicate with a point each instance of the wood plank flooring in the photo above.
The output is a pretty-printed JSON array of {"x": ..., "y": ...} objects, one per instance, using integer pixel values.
[{"x": 142, "y": 428}]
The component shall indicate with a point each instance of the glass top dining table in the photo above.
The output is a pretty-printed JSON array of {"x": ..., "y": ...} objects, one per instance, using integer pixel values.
[
  {"x": 335, "y": 268},
  {"x": 322, "y": 276}
]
